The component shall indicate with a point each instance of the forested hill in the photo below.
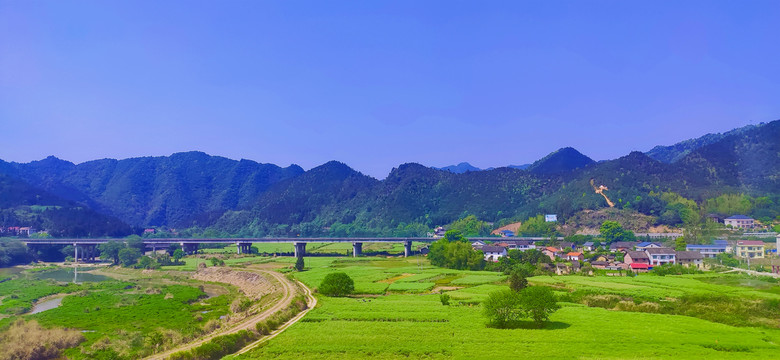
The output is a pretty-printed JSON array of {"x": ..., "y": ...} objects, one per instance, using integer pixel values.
[
  {"x": 673, "y": 153},
  {"x": 255, "y": 199},
  {"x": 168, "y": 190},
  {"x": 24, "y": 205}
]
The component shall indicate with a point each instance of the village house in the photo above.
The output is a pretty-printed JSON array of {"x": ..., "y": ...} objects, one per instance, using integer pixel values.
[
  {"x": 493, "y": 253},
  {"x": 750, "y": 249},
  {"x": 551, "y": 252},
  {"x": 439, "y": 232},
  {"x": 636, "y": 257},
  {"x": 710, "y": 251},
  {"x": 590, "y": 245},
  {"x": 646, "y": 245},
  {"x": 507, "y": 233},
  {"x": 478, "y": 243},
  {"x": 640, "y": 268},
  {"x": 566, "y": 246},
  {"x": 660, "y": 256},
  {"x": 576, "y": 256},
  {"x": 521, "y": 245},
  {"x": 622, "y": 246},
  {"x": 26, "y": 231},
  {"x": 599, "y": 264},
  {"x": 690, "y": 259},
  {"x": 740, "y": 221}
]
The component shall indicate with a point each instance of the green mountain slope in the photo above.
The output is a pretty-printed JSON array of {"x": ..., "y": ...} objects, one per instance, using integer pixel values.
[
  {"x": 147, "y": 191},
  {"x": 560, "y": 161},
  {"x": 673, "y": 153}
]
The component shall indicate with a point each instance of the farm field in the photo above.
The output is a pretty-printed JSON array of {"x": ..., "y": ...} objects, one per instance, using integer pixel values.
[
  {"x": 401, "y": 317},
  {"x": 120, "y": 319}
]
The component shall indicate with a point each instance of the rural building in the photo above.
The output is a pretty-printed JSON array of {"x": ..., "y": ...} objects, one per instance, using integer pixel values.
[
  {"x": 599, "y": 264},
  {"x": 566, "y": 246},
  {"x": 740, "y": 221},
  {"x": 493, "y": 253},
  {"x": 645, "y": 245},
  {"x": 710, "y": 251},
  {"x": 26, "y": 230},
  {"x": 590, "y": 245},
  {"x": 478, "y": 243},
  {"x": 521, "y": 245},
  {"x": 551, "y": 218},
  {"x": 574, "y": 256},
  {"x": 690, "y": 259},
  {"x": 750, "y": 249},
  {"x": 640, "y": 267},
  {"x": 622, "y": 246},
  {"x": 551, "y": 252},
  {"x": 636, "y": 257},
  {"x": 660, "y": 256}
]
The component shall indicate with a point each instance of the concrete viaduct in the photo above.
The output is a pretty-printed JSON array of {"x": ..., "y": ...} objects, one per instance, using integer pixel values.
[{"x": 85, "y": 249}]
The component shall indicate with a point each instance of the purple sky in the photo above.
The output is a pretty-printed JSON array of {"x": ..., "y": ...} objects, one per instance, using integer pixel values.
[{"x": 376, "y": 84}]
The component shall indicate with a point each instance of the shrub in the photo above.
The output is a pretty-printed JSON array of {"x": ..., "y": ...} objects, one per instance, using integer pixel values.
[
  {"x": 337, "y": 284},
  {"x": 502, "y": 308},
  {"x": 445, "y": 299},
  {"x": 538, "y": 302}
]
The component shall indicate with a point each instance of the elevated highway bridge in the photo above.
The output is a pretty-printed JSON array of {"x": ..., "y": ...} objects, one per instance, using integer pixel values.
[{"x": 86, "y": 248}]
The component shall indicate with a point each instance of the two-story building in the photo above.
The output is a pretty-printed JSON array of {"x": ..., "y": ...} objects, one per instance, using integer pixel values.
[
  {"x": 636, "y": 257},
  {"x": 493, "y": 253},
  {"x": 660, "y": 256},
  {"x": 690, "y": 259},
  {"x": 710, "y": 251},
  {"x": 740, "y": 221},
  {"x": 750, "y": 249}
]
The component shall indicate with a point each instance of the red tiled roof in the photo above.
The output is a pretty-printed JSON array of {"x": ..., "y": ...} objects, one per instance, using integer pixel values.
[
  {"x": 553, "y": 249},
  {"x": 640, "y": 266},
  {"x": 574, "y": 254}
]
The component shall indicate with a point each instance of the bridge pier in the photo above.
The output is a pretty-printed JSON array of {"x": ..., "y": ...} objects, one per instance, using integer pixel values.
[
  {"x": 189, "y": 248},
  {"x": 76, "y": 255},
  {"x": 300, "y": 249},
  {"x": 244, "y": 248},
  {"x": 407, "y": 248},
  {"x": 357, "y": 249}
]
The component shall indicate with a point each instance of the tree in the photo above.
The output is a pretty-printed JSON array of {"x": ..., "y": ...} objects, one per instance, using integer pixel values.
[
  {"x": 299, "y": 264},
  {"x": 135, "y": 241},
  {"x": 172, "y": 248},
  {"x": 538, "y": 302},
  {"x": 337, "y": 284},
  {"x": 502, "y": 308},
  {"x": 517, "y": 279},
  {"x": 453, "y": 251},
  {"x": 679, "y": 244},
  {"x": 612, "y": 231},
  {"x": 110, "y": 250},
  {"x": 129, "y": 256},
  {"x": 178, "y": 254}
]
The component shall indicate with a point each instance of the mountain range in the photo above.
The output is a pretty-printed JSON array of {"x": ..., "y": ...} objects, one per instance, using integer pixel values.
[{"x": 243, "y": 197}]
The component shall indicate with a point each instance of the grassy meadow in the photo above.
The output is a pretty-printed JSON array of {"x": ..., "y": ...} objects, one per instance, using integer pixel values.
[
  {"x": 399, "y": 315},
  {"x": 118, "y": 319}
]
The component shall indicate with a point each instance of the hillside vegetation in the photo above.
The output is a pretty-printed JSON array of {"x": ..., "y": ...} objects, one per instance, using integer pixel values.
[{"x": 228, "y": 197}]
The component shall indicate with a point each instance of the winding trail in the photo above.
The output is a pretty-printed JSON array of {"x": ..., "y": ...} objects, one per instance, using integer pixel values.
[
  {"x": 311, "y": 302},
  {"x": 247, "y": 324}
]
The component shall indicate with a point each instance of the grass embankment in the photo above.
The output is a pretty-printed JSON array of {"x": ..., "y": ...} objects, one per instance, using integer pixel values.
[{"x": 409, "y": 321}]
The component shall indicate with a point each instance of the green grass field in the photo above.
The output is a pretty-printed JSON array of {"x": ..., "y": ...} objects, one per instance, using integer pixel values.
[{"x": 407, "y": 321}]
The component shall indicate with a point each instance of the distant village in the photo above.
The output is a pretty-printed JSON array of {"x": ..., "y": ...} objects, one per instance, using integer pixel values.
[{"x": 637, "y": 256}]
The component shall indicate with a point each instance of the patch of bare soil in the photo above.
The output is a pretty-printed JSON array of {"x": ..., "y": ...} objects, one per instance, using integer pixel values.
[
  {"x": 251, "y": 284},
  {"x": 513, "y": 227},
  {"x": 394, "y": 279},
  {"x": 445, "y": 288}
]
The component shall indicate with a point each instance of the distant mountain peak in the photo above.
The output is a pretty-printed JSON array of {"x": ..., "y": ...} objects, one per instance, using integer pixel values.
[
  {"x": 460, "y": 168},
  {"x": 561, "y": 160}
]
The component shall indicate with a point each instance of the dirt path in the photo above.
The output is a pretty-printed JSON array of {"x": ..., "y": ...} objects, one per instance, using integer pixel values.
[
  {"x": 311, "y": 302},
  {"x": 289, "y": 289}
]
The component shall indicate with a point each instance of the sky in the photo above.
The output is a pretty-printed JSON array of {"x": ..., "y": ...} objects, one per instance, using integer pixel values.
[{"x": 376, "y": 84}]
